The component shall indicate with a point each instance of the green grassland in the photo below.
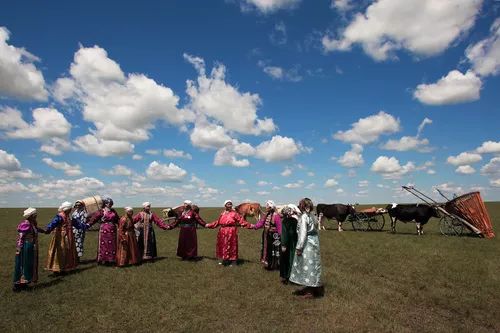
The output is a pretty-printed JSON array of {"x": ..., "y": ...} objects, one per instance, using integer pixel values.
[{"x": 374, "y": 281}]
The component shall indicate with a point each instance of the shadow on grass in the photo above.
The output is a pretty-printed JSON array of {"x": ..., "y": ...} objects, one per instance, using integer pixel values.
[
  {"x": 73, "y": 272},
  {"x": 49, "y": 284},
  {"x": 238, "y": 262}
]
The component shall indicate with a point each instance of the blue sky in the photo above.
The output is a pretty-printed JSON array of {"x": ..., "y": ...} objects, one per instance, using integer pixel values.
[{"x": 340, "y": 101}]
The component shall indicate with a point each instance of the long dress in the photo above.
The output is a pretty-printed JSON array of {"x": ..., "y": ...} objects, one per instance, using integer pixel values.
[
  {"x": 108, "y": 218},
  {"x": 62, "y": 249},
  {"x": 271, "y": 240},
  {"x": 127, "y": 252},
  {"x": 187, "y": 247},
  {"x": 26, "y": 263},
  {"x": 227, "y": 237},
  {"x": 81, "y": 216},
  {"x": 306, "y": 269},
  {"x": 289, "y": 241},
  {"x": 146, "y": 239}
]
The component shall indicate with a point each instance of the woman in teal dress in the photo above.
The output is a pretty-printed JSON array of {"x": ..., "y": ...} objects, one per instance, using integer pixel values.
[
  {"x": 306, "y": 269},
  {"x": 26, "y": 264}
]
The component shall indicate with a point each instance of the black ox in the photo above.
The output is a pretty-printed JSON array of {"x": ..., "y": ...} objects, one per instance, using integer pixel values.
[
  {"x": 338, "y": 212},
  {"x": 420, "y": 213}
]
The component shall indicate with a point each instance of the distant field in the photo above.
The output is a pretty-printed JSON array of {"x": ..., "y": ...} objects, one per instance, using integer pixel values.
[{"x": 374, "y": 281}]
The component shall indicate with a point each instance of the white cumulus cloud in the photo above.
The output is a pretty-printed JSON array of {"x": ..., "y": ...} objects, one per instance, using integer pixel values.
[
  {"x": 464, "y": 158},
  {"x": 465, "y": 170},
  {"x": 212, "y": 97},
  {"x": 279, "y": 148},
  {"x": 352, "y": 158},
  {"x": 453, "y": 88},
  {"x": 174, "y": 153},
  {"x": 268, "y": 6},
  {"x": 390, "y": 168},
  {"x": 93, "y": 145},
  {"x": 19, "y": 77},
  {"x": 419, "y": 26},
  {"x": 165, "y": 172},
  {"x": 489, "y": 147},
  {"x": 485, "y": 54},
  {"x": 369, "y": 129},
  {"x": 9, "y": 162},
  {"x": 69, "y": 170},
  {"x": 331, "y": 182}
]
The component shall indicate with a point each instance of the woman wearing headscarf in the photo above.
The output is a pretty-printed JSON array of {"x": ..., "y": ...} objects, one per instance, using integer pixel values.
[
  {"x": 271, "y": 240},
  {"x": 26, "y": 264},
  {"x": 80, "y": 215},
  {"x": 62, "y": 249},
  {"x": 306, "y": 269},
  {"x": 290, "y": 215},
  {"x": 187, "y": 247},
  {"x": 108, "y": 219},
  {"x": 145, "y": 233},
  {"x": 227, "y": 238},
  {"x": 127, "y": 252}
]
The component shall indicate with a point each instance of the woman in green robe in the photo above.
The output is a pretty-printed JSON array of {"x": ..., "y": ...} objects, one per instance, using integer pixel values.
[{"x": 290, "y": 217}]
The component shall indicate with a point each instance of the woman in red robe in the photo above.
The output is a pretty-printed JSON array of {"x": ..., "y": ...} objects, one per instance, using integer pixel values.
[
  {"x": 127, "y": 252},
  {"x": 187, "y": 247},
  {"x": 227, "y": 237}
]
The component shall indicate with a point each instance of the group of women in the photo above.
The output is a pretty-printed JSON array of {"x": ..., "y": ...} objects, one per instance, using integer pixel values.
[{"x": 290, "y": 240}]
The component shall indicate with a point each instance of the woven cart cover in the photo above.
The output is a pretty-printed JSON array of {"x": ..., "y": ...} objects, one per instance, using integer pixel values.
[{"x": 471, "y": 207}]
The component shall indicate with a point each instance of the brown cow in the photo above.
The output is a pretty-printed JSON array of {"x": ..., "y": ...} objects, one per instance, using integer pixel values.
[{"x": 249, "y": 209}]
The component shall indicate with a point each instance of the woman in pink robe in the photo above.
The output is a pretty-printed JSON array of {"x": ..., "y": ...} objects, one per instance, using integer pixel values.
[{"x": 227, "y": 237}]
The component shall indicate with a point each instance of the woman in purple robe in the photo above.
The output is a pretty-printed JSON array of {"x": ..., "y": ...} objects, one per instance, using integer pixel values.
[{"x": 108, "y": 218}]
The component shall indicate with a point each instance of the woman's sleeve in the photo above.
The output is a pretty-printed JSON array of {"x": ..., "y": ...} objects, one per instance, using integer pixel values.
[
  {"x": 260, "y": 223},
  {"x": 158, "y": 221},
  {"x": 54, "y": 223},
  {"x": 240, "y": 219},
  {"x": 96, "y": 217},
  {"x": 302, "y": 236},
  {"x": 199, "y": 220},
  {"x": 213, "y": 224}
]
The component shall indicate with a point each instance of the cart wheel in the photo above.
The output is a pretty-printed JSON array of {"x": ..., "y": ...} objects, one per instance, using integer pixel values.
[
  {"x": 450, "y": 226},
  {"x": 360, "y": 222},
  {"x": 377, "y": 222},
  {"x": 457, "y": 226}
]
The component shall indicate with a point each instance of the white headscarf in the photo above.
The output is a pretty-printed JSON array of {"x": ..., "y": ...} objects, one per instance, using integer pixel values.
[
  {"x": 66, "y": 205},
  {"x": 225, "y": 202},
  {"x": 270, "y": 203},
  {"x": 146, "y": 204},
  {"x": 127, "y": 209},
  {"x": 295, "y": 209},
  {"x": 29, "y": 212},
  {"x": 188, "y": 202}
]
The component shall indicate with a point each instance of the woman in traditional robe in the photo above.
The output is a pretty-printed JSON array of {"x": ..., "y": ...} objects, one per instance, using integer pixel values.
[
  {"x": 290, "y": 215},
  {"x": 187, "y": 247},
  {"x": 306, "y": 269},
  {"x": 62, "y": 249},
  {"x": 108, "y": 219},
  {"x": 79, "y": 214},
  {"x": 227, "y": 237},
  {"x": 127, "y": 252},
  {"x": 26, "y": 264},
  {"x": 271, "y": 239},
  {"x": 146, "y": 239}
]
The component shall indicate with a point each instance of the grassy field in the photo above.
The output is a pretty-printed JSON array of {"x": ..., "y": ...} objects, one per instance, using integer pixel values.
[{"x": 374, "y": 281}]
